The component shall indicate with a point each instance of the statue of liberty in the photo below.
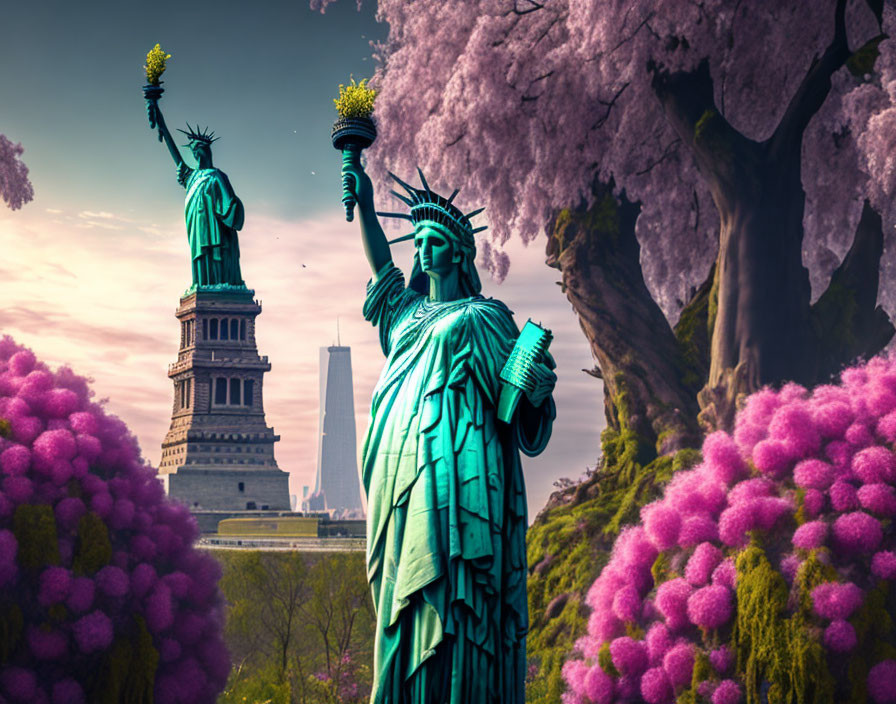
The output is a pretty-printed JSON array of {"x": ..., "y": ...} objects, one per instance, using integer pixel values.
[
  {"x": 446, "y": 553},
  {"x": 212, "y": 210}
]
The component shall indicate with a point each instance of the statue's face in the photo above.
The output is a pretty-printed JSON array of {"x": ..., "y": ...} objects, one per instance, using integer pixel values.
[
  {"x": 200, "y": 150},
  {"x": 436, "y": 252}
]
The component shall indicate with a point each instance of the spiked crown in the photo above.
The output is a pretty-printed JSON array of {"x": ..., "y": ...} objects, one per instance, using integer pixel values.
[
  {"x": 428, "y": 206},
  {"x": 197, "y": 135}
]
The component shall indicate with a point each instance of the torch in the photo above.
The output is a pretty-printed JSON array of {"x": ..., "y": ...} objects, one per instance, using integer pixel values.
[
  {"x": 152, "y": 91},
  {"x": 353, "y": 131}
]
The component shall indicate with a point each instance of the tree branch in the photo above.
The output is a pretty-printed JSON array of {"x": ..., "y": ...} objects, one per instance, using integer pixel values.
[
  {"x": 688, "y": 103},
  {"x": 814, "y": 88},
  {"x": 846, "y": 319}
]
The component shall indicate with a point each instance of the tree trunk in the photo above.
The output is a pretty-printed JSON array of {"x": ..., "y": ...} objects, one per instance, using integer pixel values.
[{"x": 639, "y": 358}]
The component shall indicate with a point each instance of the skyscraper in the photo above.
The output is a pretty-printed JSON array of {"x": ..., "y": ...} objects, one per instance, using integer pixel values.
[{"x": 336, "y": 488}]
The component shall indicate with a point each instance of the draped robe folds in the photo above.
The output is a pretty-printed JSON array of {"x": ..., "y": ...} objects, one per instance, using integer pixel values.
[
  {"x": 446, "y": 554},
  {"x": 213, "y": 214}
]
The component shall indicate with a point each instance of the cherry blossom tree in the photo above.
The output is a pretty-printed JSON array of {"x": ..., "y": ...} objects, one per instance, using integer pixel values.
[
  {"x": 714, "y": 178},
  {"x": 15, "y": 188}
]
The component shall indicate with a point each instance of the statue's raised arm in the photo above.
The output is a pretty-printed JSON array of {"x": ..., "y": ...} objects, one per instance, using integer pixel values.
[{"x": 157, "y": 122}]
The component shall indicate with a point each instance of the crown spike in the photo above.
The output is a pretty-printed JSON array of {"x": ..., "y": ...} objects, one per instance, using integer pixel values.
[
  {"x": 423, "y": 181},
  {"x": 403, "y": 238},
  {"x": 480, "y": 229},
  {"x": 403, "y": 216},
  {"x": 475, "y": 212},
  {"x": 402, "y": 198},
  {"x": 451, "y": 197},
  {"x": 410, "y": 189}
]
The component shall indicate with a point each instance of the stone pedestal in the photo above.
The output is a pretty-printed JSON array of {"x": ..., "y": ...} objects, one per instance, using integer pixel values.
[{"x": 219, "y": 452}]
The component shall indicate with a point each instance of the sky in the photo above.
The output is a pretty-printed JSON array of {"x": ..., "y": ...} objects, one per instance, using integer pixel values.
[{"x": 94, "y": 266}]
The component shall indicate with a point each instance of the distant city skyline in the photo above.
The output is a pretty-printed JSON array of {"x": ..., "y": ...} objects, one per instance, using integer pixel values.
[{"x": 94, "y": 266}]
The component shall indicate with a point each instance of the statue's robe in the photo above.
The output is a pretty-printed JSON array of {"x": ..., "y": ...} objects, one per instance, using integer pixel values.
[
  {"x": 446, "y": 526},
  {"x": 213, "y": 214}
]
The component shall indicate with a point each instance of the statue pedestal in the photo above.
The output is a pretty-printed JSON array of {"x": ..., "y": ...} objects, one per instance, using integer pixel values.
[{"x": 219, "y": 451}]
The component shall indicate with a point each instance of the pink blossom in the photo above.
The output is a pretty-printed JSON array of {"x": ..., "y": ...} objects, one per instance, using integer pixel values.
[
  {"x": 725, "y": 574},
  {"x": 883, "y": 564},
  {"x": 721, "y": 455},
  {"x": 772, "y": 457},
  {"x": 69, "y": 511},
  {"x": 874, "y": 464},
  {"x": 658, "y": 642},
  {"x": 835, "y": 601},
  {"x": 112, "y": 581},
  {"x": 813, "y": 503},
  {"x": 794, "y": 426},
  {"x": 598, "y": 685},
  {"x": 159, "y": 609},
  {"x": 879, "y": 499},
  {"x": 627, "y": 604},
  {"x": 857, "y": 532},
  {"x": 840, "y": 636},
  {"x": 728, "y": 692},
  {"x": 810, "y": 535},
  {"x": 679, "y": 664},
  {"x": 55, "y": 585},
  {"x": 844, "y": 496},
  {"x": 710, "y": 607},
  {"x": 170, "y": 650},
  {"x": 93, "y": 632},
  {"x": 735, "y": 522},
  {"x": 68, "y": 691},
  {"x": 721, "y": 659},
  {"x": 15, "y": 460},
  {"x": 656, "y": 687},
  {"x": 20, "y": 684},
  {"x": 82, "y": 592},
  {"x": 886, "y": 427},
  {"x": 832, "y": 419},
  {"x": 813, "y": 474},
  {"x": 662, "y": 524},
  {"x": 54, "y": 445},
  {"x": 882, "y": 682},
  {"x": 672, "y": 601},
  {"x": 750, "y": 489},
  {"x": 702, "y": 563},
  {"x": 629, "y": 656},
  {"x": 859, "y": 435},
  {"x": 46, "y": 645},
  {"x": 697, "y": 529},
  {"x": 143, "y": 578}
]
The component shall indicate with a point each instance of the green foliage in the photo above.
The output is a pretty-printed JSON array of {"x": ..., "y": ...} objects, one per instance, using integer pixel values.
[
  {"x": 35, "y": 529},
  {"x": 93, "y": 549},
  {"x": 300, "y": 627},
  {"x": 771, "y": 646},
  {"x": 5, "y": 428},
  {"x": 155, "y": 64},
  {"x": 11, "y": 625},
  {"x": 861, "y": 62},
  {"x": 261, "y": 686},
  {"x": 605, "y": 660},
  {"x": 128, "y": 670},
  {"x": 355, "y": 100}
]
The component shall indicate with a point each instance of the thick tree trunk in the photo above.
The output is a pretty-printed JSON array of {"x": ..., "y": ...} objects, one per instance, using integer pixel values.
[{"x": 642, "y": 364}]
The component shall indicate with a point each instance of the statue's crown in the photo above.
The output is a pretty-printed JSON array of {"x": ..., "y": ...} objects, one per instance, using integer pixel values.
[
  {"x": 428, "y": 206},
  {"x": 197, "y": 135}
]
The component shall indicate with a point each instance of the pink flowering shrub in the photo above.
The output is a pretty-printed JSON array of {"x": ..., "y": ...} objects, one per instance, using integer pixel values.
[
  {"x": 791, "y": 515},
  {"x": 102, "y": 596}
]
